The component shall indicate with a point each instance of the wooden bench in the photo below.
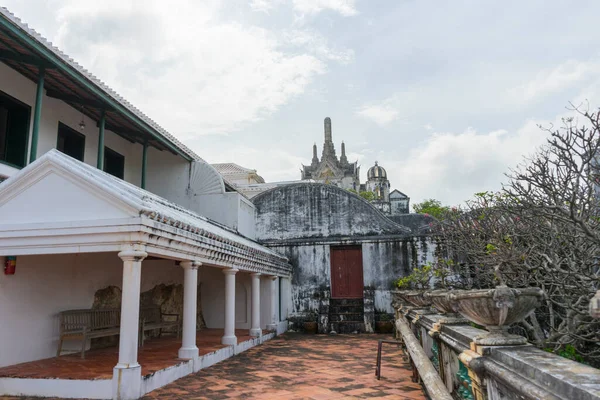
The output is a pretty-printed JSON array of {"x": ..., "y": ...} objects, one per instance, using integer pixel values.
[
  {"x": 152, "y": 318},
  {"x": 88, "y": 324},
  {"x": 95, "y": 323}
]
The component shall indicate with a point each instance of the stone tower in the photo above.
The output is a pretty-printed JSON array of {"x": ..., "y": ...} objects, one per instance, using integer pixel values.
[
  {"x": 378, "y": 183},
  {"x": 329, "y": 169}
]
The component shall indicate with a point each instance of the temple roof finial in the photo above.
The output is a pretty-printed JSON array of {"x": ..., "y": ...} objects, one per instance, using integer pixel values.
[{"x": 328, "y": 135}]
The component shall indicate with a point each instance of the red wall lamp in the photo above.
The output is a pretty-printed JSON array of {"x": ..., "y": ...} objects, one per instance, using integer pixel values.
[{"x": 10, "y": 265}]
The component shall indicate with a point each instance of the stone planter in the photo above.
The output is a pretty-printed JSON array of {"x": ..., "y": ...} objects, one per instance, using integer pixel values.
[
  {"x": 440, "y": 301},
  {"x": 398, "y": 298},
  {"x": 417, "y": 298},
  {"x": 384, "y": 326},
  {"x": 496, "y": 309},
  {"x": 311, "y": 327}
]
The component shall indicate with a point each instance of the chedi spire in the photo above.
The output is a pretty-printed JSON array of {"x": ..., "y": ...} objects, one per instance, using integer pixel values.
[
  {"x": 328, "y": 149},
  {"x": 315, "y": 159},
  {"x": 343, "y": 158}
]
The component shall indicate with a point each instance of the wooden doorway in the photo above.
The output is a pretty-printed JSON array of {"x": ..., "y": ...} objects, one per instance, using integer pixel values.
[{"x": 346, "y": 272}]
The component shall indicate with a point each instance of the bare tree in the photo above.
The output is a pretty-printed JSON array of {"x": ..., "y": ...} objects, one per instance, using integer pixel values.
[{"x": 542, "y": 229}]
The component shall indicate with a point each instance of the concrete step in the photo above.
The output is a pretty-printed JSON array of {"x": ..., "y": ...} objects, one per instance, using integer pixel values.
[
  {"x": 346, "y": 309},
  {"x": 357, "y": 317},
  {"x": 348, "y": 327},
  {"x": 347, "y": 302}
]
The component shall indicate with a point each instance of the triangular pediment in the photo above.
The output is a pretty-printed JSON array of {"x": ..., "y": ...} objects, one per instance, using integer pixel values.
[
  {"x": 46, "y": 192},
  {"x": 396, "y": 194},
  {"x": 327, "y": 169}
]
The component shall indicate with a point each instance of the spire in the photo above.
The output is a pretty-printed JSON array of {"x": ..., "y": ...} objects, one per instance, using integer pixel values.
[
  {"x": 343, "y": 158},
  {"x": 315, "y": 159},
  {"x": 328, "y": 138},
  {"x": 328, "y": 149}
]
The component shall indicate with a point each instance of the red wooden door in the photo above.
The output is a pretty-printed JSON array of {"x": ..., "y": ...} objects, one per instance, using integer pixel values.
[{"x": 346, "y": 272}]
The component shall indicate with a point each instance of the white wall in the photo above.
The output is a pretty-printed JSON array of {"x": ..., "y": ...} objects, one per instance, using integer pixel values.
[
  {"x": 246, "y": 218},
  {"x": 45, "y": 285},
  {"x": 167, "y": 174},
  {"x": 55, "y": 111},
  {"x": 212, "y": 292},
  {"x": 265, "y": 301},
  {"x": 221, "y": 207},
  {"x": 286, "y": 298}
]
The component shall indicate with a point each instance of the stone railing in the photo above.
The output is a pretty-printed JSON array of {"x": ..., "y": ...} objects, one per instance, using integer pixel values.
[{"x": 494, "y": 372}]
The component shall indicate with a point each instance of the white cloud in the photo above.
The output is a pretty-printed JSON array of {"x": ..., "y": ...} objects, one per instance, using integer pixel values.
[
  {"x": 563, "y": 76},
  {"x": 346, "y": 8},
  {"x": 190, "y": 70},
  {"x": 279, "y": 166},
  {"x": 264, "y": 5},
  {"x": 316, "y": 44},
  {"x": 382, "y": 114},
  {"x": 429, "y": 127},
  {"x": 451, "y": 167}
]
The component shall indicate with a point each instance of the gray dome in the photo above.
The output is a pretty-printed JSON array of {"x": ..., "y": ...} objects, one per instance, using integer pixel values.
[{"x": 376, "y": 172}]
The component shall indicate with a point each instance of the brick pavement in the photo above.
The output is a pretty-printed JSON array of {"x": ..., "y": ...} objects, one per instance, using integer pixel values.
[
  {"x": 156, "y": 354},
  {"x": 296, "y": 366}
]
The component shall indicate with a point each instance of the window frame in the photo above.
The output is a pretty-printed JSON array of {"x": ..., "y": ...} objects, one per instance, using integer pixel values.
[
  {"x": 8, "y": 97},
  {"x": 74, "y": 131},
  {"x": 108, "y": 150}
]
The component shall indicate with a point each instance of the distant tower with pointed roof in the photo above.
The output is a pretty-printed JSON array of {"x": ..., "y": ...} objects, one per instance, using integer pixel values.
[
  {"x": 330, "y": 169},
  {"x": 346, "y": 175}
]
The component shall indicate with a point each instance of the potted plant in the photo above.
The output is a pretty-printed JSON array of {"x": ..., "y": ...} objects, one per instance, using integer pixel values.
[
  {"x": 384, "y": 323},
  {"x": 310, "y": 324}
]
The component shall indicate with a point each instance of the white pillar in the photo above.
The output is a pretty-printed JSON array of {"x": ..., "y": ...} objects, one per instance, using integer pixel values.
[
  {"x": 284, "y": 296},
  {"x": 188, "y": 348},
  {"x": 255, "y": 327},
  {"x": 127, "y": 374},
  {"x": 229, "y": 337},
  {"x": 274, "y": 304}
]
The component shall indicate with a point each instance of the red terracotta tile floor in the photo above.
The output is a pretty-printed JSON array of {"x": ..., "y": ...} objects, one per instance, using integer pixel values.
[
  {"x": 156, "y": 354},
  {"x": 296, "y": 366}
]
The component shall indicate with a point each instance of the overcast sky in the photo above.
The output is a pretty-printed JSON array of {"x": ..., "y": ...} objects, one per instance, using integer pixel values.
[{"x": 445, "y": 95}]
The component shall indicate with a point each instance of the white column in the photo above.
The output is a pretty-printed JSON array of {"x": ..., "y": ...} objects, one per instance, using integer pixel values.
[
  {"x": 190, "y": 303},
  {"x": 229, "y": 337},
  {"x": 127, "y": 374},
  {"x": 284, "y": 296},
  {"x": 274, "y": 304},
  {"x": 255, "y": 327}
]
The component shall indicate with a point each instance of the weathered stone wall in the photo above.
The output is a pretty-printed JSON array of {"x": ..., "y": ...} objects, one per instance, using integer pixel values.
[
  {"x": 302, "y": 221},
  {"x": 312, "y": 210},
  {"x": 168, "y": 297},
  {"x": 383, "y": 262}
]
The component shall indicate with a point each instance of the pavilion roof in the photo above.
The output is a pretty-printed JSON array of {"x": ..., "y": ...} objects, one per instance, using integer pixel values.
[{"x": 222, "y": 242}]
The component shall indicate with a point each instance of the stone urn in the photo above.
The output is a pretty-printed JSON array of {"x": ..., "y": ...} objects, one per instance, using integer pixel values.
[
  {"x": 417, "y": 298},
  {"x": 442, "y": 302},
  {"x": 496, "y": 309},
  {"x": 398, "y": 300}
]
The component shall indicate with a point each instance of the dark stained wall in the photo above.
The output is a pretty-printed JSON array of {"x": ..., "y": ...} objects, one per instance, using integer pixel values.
[
  {"x": 312, "y": 210},
  {"x": 303, "y": 221}
]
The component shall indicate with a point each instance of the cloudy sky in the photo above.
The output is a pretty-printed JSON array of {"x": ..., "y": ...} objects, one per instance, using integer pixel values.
[{"x": 445, "y": 95}]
